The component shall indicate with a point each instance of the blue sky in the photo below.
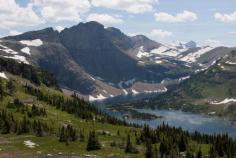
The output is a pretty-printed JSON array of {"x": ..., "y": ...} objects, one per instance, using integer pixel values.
[{"x": 204, "y": 21}]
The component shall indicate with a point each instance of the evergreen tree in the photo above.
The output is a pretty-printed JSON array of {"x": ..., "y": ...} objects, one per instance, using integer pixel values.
[
  {"x": 149, "y": 151},
  {"x": 93, "y": 143},
  {"x": 129, "y": 146},
  {"x": 1, "y": 90},
  {"x": 62, "y": 135},
  {"x": 189, "y": 154},
  {"x": 212, "y": 153},
  {"x": 11, "y": 87},
  {"x": 81, "y": 136},
  {"x": 156, "y": 152},
  {"x": 182, "y": 144},
  {"x": 199, "y": 154}
]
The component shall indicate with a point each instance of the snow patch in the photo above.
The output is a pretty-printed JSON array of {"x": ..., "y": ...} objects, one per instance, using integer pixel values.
[
  {"x": 230, "y": 63},
  {"x": 98, "y": 97},
  {"x": 142, "y": 53},
  {"x": 227, "y": 100},
  {"x": 134, "y": 92},
  {"x": 25, "y": 50},
  {"x": 3, "y": 75},
  {"x": 30, "y": 144},
  {"x": 184, "y": 78},
  {"x": 157, "y": 91},
  {"x": 34, "y": 43},
  {"x": 125, "y": 91}
]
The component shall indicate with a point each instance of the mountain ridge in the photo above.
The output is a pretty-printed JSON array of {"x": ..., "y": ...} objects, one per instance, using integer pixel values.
[{"x": 92, "y": 59}]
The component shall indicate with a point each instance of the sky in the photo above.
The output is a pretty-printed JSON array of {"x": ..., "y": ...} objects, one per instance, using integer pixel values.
[{"x": 208, "y": 22}]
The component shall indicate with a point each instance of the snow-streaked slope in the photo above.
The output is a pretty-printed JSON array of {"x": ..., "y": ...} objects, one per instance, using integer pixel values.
[
  {"x": 11, "y": 54},
  {"x": 7, "y": 50},
  {"x": 34, "y": 43},
  {"x": 17, "y": 58},
  {"x": 192, "y": 57}
]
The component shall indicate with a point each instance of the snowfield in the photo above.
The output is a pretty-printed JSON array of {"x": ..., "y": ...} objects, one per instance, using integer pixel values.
[
  {"x": 192, "y": 57},
  {"x": 165, "y": 51},
  {"x": 25, "y": 50},
  {"x": 3, "y": 75},
  {"x": 34, "y": 43}
]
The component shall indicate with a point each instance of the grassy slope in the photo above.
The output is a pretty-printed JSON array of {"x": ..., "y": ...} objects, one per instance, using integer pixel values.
[{"x": 11, "y": 145}]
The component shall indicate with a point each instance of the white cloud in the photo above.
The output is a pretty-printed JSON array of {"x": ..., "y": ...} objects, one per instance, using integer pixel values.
[
  {"x": 212, "y": 42},
  {"x": 59, "y": 28},
  {"x": 226, "y": 17},
  {"x": 158, "y": 33},
  {"x": 105, "y": 18},
  {"x": 14, "y": 33},
  {"x": 185, "y": 16},
  {"x": 13, "y": 15},
  {"x": 62, "y": 10},
  {"x": 232, "y": 32},
  {"x": 131, "y": 6}
]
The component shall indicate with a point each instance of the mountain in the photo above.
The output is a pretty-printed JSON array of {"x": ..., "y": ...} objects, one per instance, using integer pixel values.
[
  {"x": 100, "y": 62},
  {"x": 211, "y": 91}
]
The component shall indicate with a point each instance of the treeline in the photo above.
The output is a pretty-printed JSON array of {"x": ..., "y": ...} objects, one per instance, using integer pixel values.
[
  {"x": 28, "y": 72},
  {"x": 30, "y": 111},
  {"x": 174, "y": 142},
  {"x": 10, "y": 124},
  {"x": 74, "y": 105}
]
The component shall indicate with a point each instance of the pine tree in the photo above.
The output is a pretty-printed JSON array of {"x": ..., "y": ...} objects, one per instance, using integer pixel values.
[
  {"x": 189, "y": 154},
  {"x": 1, "y": 90},
  {"x": 11, "y": 87},
  {"x": 163, "y": 149},
  {"x": 149, "y": 151},
  {"x": 199, "y": 154},
  {"x": 129, "y": 146},
  {"x": 62, "y": 135},
  {"x": 212, "y": 153},
  {"x": 93, "y": 143},
  {"x": 156, "y": 152},
  {"x": 182, "y": 144},
  {"x": 81, "y": 136}
]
